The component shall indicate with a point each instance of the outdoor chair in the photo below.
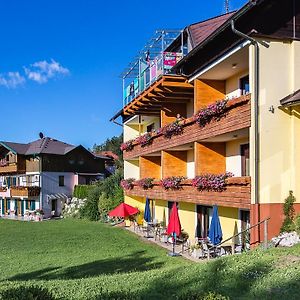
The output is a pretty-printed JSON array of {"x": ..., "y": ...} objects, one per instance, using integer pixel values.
[{"x": 208, "y": 251}]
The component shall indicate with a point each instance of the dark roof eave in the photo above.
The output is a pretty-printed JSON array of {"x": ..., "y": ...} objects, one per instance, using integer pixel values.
[
  {"x": 291, "y": 100},
  {"x": 235, "y": 16}
]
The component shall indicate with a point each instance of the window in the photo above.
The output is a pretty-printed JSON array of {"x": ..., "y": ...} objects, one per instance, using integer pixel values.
[
  {"x": 204, "y": 215},
  {"x": 245, "y": 160},
  {"x": 170, "y": 206},
  {"x": 150, "y": 127},
  {"x": 61, "y": 180},
  {"x": 244, "y": 85}
]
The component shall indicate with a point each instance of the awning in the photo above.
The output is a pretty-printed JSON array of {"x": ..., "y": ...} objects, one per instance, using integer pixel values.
[
  {"x": 291, "y": 100},
  {"x": 57, "y": 196}
]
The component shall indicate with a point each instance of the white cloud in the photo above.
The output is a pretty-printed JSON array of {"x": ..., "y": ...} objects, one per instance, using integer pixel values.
[
  {"x": 11, "y": 80},
  {"x": 42, "y": 71}
]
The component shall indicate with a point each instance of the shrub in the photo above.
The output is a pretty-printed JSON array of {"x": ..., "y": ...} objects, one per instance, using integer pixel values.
[
  {"x": 201, "y": 296},
  {"x": 145, "y": 183},
  {"x": 81, "y": 191},
  {"x": 90, "y": 209},
  {"x": 289, "y": 212},
  {"x": 297, "y": 224},
  {"x": 172, "y": 183},
  {"x": 211, "y": 182},
  {"x": 26, "y": 293}
]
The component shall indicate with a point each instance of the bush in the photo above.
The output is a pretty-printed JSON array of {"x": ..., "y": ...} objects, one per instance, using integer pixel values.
[
  {"x": 90, "y": 209},
  {"x": 297, "y": 224},
  {"x": 200, "y": 296},
  {"x": 289, "y": 212},
  {"x": 26, "y": 293},
  {"x": 103, "y": 197},
  {"x": 82, "y": 191}
]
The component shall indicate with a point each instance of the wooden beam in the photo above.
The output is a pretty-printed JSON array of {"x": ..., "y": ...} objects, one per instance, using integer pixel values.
[{"x": 177, "y": 84}]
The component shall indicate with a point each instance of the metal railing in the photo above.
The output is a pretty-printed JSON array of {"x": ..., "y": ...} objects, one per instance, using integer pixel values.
[{"x": 247, "y": 230}]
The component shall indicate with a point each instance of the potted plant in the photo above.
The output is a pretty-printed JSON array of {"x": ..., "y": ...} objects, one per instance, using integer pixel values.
[{"x": 196, "y": 251}]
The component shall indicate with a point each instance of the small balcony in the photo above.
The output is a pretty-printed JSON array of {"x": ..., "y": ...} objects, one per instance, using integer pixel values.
[
  {"x": 236, "y": 193},
  {"x": 156, "y": 59},
  {"x": 6, "y": 167},
  {"x": 25, "y": 191},
  {"x": 236, "y": 117}
]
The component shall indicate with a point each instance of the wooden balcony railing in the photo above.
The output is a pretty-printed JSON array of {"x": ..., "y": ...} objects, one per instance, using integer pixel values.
[
  {"x": 25, "y": 191},
  {"x": 237, "y": 193},
  {"x": 9, "y": 168},
  {"x": 237, "y": 116}
]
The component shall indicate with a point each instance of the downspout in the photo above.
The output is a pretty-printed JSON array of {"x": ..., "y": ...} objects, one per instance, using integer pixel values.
[{"x": 256, "y": 106}]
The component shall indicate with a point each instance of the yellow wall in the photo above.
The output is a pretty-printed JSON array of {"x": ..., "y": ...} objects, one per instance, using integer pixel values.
[
  {"x": 278, "y": 131},
  {"x": 130, "y": 132},
  {"x": 229, "y": 219},
  {"x": 161, "y": 210},
  {"x": 187, "y": 216},
  {"x": 131, "y": 169}
]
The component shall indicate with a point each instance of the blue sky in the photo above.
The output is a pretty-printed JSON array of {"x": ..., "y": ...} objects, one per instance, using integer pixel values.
[{"x": 61, "y": 60}]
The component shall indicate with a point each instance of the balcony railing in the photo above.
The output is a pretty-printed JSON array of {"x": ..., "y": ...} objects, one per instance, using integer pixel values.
[
  {"x": 236, "y": 193},
  {"x": 237, "y": 116},
  {"x": 9, "y": 168},
  {"x": 149, "y": 72},
  {"x": 25, "y": 191}
]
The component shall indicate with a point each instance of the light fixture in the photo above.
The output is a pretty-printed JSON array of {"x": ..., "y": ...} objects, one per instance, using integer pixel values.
[{"x": 234, "y": 66}]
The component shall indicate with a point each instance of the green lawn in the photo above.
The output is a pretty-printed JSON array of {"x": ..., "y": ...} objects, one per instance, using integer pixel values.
[{"x": 76, "y": 259}]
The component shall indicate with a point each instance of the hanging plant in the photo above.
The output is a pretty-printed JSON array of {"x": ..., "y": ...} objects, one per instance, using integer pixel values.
[
  {"x": 144, "y": 140},
  {"x": 127, "y": 146},
  {"x": 172, "y": 183},
  {"x": 172, "y": 129},
  {"x": 211, "y": 112},
  {"x": 145, "y": 183},
  {"x": 211, "y": 182},
  {"x": 128, "y": 183}
]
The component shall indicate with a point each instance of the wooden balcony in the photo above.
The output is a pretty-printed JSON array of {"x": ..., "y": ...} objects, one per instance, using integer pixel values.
[
  {"x": 9, "y": 168},
  {"x": 236, "y": 194},
  {"x": 25, "y": 191},
  {"x": 237, "y": 116}
]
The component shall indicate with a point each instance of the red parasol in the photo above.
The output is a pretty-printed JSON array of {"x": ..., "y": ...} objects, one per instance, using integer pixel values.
[
  {"x": 174, "y": 222},
  {"x": 123, "y": 210}
]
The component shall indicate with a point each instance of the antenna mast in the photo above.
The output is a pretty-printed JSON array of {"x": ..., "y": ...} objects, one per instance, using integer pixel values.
[{"x": 226, "y": 6}]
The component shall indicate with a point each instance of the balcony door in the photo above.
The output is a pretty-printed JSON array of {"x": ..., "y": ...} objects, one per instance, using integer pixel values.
[
  {"x": 245, "y": 160},
  {"x": 204, "y": 215},
  {"x": 170, "y": 205}
]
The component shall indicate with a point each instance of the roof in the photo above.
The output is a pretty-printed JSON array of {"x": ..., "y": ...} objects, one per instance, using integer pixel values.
[
  {"x": 107, "y": 154},
  {"x": 45, "y": 145},
  {"x": 292, "y": 99},
  {"x": 201, "y": 30}
]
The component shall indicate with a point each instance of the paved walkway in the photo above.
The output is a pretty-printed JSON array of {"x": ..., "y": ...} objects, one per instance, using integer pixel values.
[{"x": 183, "y": 252}]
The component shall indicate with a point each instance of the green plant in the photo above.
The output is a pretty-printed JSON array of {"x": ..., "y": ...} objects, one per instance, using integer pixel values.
[
  {"x": 26, "y": 293},
  {"x": 82, "y": 191},
  {"x": 289, "y": 212},
  {"x": 297, "y": 224},
  {"x": 90, "y": 209}
]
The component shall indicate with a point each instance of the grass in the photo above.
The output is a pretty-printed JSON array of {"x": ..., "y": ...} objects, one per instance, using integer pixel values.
[{"x": 76, "y": 259}]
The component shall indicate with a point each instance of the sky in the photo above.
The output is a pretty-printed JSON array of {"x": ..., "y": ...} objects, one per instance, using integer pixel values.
[{"x": 60, "y": 61}]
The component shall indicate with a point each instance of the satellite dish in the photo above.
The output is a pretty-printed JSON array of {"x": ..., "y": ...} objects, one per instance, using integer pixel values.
[{"x": 41, "y": 135}]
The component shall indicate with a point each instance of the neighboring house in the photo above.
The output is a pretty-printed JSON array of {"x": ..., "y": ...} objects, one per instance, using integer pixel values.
[
  {"x": 42, "y": 175},
  {"x": 256, "y": 137},
  {"x": 110, "y": 160}
]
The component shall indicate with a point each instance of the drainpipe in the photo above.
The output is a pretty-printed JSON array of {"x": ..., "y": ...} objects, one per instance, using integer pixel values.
[{"x": 256, "y": 106}]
